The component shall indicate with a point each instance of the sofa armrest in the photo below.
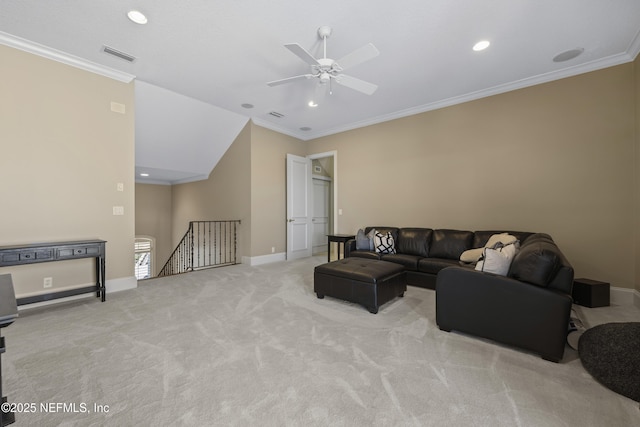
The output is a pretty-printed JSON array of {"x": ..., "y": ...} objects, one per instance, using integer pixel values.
[
  {"x": 503, "y": 309},
  {"x": 349, "y": 246}
]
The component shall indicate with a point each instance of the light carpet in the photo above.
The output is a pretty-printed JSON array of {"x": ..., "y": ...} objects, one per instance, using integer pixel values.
[{"x": 245, "y": 346}]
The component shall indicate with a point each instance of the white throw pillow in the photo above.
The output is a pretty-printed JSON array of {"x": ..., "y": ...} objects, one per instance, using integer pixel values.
[
  {"x": 497, "y": 261},
  {"x": 384, "y": 244}
]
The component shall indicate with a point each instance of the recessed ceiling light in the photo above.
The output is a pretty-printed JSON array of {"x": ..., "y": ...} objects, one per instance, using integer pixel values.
[
  {"x": 137, "y": 17},
  {"x": 246, "y": 105},
  {"x": 144, "y": 174},
  {"x": 481, "y": 45},
  {"x": 312, "y": 104},
  {"x": 568, "y": 54}
]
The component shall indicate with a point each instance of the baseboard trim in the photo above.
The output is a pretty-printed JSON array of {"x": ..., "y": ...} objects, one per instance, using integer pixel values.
[
  {"x": 636, "y": 299},
  {"x": 114, "y": 285},
  {"x": 57, "y": 301},
  {"x": 264, "y": 259},
  {"x": 121, "y": 284}
]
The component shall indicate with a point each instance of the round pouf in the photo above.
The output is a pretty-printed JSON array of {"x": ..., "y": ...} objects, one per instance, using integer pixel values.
[{"x": 611, "y": 354}]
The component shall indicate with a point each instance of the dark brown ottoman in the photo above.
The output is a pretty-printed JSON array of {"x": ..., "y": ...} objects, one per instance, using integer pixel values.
[{"x": 368, "y": 282}]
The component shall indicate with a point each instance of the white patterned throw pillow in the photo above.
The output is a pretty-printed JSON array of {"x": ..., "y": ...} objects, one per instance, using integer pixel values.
[{"x": 384, "y": 244}]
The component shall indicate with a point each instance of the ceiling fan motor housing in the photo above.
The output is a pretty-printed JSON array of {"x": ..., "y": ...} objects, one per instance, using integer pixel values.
[{"x": 324, "y": 31}]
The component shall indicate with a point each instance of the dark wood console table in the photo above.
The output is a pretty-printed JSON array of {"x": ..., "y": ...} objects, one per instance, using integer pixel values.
[
  {"x": 58, "y": 251},
  {"x": 338, "y": 238}
]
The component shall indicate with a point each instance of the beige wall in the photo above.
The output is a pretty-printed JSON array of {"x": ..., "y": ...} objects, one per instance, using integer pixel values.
[
  {"x": 269, "y": 151},
  {"x": 225, "y": 195},
  {"x": 247, "y": 184},
  {"x": 63, "y": 153},
  {"x": 555, "y": 158},
  {"x": 153, "y": 219}
]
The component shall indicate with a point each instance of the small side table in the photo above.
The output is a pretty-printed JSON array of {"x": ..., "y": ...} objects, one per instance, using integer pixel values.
[
  {"x": 590, "y": 293},
  {"x": 338, "y": 238}
]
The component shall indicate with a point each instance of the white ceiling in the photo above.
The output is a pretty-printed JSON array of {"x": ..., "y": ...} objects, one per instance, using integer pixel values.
[{"x": 210, "y": 57}]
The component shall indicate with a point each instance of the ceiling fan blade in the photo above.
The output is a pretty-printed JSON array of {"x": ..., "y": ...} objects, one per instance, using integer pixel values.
[
  {"x": 358, "y": 56},
  {"x": 290, "y": 79},
  {"x": 356, "y": 84},
  {"x": 302, "y": 53}
]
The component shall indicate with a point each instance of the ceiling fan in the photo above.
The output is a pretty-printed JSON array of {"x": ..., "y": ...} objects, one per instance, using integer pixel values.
[{"x": 327, "y": 70}]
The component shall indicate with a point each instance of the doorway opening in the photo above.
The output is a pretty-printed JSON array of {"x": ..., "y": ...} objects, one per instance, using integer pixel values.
[
  {"x": 144, "y": 257},
  {"x": 325, "y": 199}
]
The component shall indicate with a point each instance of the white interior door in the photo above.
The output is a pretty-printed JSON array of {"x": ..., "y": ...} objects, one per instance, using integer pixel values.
[
  {"x": 320, "y": 220},
  {"x": 299, "y": 207}
]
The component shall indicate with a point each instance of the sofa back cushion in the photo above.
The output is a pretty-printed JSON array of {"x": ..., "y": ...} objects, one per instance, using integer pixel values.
[
  {"x": 414, "y": 241},
  {"x": 538, "y": 261},
  {"x": 450, "y": 244}
]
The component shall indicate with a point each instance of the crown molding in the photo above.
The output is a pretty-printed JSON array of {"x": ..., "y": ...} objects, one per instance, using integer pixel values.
[
  {"x": 634, "y": 46},
  {"x": 268, "y": 125},
  {"x": 65, "y": 58}
]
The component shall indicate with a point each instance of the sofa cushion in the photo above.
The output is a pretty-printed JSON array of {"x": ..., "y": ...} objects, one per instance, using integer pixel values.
[
  {"x": 414, "y": 241},
  {"x": 537, "y": 262},
  {"x": 434, "y": 265},
  {"x": 364, "y": 254},
  {"x": 450, "y": 244},
  {"x": 410, "y": 262},
  {"x": 384, "y": 243}
]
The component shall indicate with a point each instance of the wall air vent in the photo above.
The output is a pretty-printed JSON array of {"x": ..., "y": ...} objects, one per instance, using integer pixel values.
[
  {"x": 276, "y": 114},
  {"x": 118, "y": 54}
]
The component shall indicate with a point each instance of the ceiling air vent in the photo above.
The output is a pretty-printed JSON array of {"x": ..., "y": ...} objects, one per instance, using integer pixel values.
[
  {"x": 276, "y": 114},
  {"x": 117, "y": 53}
]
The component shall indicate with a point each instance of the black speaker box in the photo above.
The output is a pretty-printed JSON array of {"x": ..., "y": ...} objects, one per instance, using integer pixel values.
[{"x": 590, "y": 293}]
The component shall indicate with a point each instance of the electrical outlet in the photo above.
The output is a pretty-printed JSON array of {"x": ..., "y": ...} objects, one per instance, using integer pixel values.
[
  {"x": 48, "y": 282},
  {"x": 273, "y": 249}
]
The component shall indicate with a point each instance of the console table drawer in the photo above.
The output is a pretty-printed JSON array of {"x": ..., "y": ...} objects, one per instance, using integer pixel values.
[
  {"x": 78, "y": 251},
  {"x": 26, "y": 256}
]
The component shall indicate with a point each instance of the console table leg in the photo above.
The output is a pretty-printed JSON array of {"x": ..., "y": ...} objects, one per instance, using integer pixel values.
[
  {"x": 98, "y": 277},
  {"x": 103, "y": 279}
]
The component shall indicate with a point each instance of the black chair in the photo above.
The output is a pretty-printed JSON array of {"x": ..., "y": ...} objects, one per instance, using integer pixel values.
[{"x": 8, "y": 313}]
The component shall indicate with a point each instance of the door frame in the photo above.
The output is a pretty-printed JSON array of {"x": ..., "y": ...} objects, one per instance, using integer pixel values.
[
  {"x": 329, "y": 211},
  {"x": 334, "y": 183}
]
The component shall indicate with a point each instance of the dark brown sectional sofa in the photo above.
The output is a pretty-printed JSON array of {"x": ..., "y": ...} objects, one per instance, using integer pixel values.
[{"x": 528, "y": 308}]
